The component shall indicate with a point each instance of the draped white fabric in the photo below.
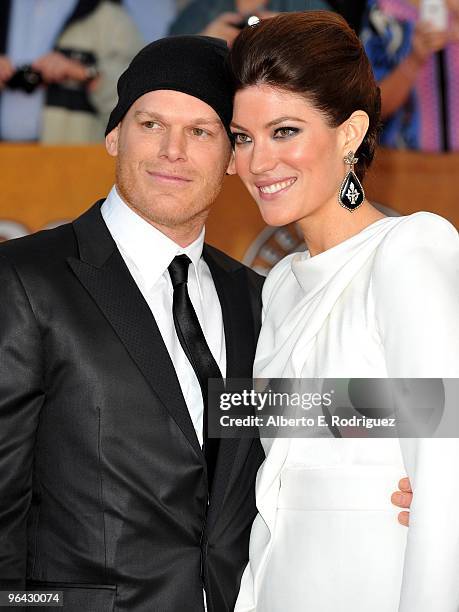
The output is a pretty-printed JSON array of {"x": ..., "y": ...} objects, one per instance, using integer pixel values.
[{"x": 384, "y": 303}]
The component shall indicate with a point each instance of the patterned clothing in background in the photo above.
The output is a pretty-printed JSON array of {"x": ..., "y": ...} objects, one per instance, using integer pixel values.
[{"x": 387, "y": 36}]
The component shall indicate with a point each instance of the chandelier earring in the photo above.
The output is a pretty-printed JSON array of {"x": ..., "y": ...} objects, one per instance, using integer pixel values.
[{"x": 351, "y": 194}]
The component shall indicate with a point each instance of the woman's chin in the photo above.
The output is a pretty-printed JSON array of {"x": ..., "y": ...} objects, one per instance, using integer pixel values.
[{"x": 275, "y": 218}]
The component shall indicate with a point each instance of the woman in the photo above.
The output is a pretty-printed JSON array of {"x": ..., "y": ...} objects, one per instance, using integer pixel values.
[{"x": 372, "y": 297}]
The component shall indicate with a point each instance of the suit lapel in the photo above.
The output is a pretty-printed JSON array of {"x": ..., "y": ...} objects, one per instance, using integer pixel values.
[
  {"x": 104, "y": 274},
  {"x": 231, "y": 285},
  {"x": 232, "y": 289}
]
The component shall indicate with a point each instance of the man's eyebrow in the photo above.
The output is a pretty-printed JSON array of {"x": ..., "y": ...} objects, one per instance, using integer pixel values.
[
  {"x": 206, "y": 121},
  {"x": 149, "y": 114},
  {"x": 271, "y": 123},
  {"x": 197, "y": 121}
]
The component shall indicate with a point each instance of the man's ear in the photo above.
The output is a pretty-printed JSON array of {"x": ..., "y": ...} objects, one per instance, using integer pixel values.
[
  {"x": 354, "y": 130},
  {"x": 232, "y": 164},
  {"x": 111, "y": 141}
]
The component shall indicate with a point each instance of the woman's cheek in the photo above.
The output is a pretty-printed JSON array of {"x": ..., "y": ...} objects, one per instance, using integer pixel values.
[{"x": 242, "y": 162}]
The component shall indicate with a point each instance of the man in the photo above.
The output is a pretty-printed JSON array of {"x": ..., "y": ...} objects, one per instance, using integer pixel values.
[
  {"x": 104, "y": 484},
  {"x": 110, "y": 489}
]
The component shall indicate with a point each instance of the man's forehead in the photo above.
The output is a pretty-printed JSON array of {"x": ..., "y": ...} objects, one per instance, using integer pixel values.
[{"x": 171, "y": 105}]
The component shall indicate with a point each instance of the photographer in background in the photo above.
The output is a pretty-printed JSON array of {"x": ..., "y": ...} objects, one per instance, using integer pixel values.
[
  {"x": 225, "y": 18},
  {"x": 59, "y": 63},
  {"x": 416, "y": 63}
]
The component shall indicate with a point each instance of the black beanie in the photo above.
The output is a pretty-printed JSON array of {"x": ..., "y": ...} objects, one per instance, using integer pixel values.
[{"x": 195, "y": 65}]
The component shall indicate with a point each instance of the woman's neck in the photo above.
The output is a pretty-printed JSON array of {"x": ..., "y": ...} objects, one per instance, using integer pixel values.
[{"x": 334, "y": 224}]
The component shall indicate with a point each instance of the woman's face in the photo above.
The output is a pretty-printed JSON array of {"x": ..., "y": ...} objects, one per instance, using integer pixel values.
[{"x": 286, "y": 154}]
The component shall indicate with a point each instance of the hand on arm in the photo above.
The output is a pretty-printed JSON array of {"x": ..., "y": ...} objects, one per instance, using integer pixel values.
[{"x": 402, "y": 499}]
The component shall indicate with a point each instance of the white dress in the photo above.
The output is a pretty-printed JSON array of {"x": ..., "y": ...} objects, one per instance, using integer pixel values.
[{"x": 384, "y": 303}]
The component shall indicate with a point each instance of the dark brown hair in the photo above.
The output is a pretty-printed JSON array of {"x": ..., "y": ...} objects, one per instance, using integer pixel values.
[{"x": 315, "y": 54}]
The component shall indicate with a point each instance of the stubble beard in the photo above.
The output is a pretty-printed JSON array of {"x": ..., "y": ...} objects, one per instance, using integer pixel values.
[{"x": 174, "y": 216}]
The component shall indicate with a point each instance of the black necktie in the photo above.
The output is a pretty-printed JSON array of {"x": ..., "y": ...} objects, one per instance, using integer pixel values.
[{"x": 194, "y": 344}]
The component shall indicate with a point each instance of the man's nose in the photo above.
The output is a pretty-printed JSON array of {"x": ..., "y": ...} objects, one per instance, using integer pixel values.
[{"x": 173, "y": 146}]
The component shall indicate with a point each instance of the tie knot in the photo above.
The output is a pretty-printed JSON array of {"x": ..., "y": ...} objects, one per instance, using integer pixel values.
[{"x": 178, "y": 270}]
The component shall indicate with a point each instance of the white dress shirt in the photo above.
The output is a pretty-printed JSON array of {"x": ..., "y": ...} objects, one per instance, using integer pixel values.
[{"x": 147, "y": 253}]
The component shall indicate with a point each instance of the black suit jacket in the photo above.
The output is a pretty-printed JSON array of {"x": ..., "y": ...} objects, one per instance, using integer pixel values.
[{"x": 103, "y": 489}]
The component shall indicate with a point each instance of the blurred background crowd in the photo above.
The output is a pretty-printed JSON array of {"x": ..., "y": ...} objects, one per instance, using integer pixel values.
[
  {"x": 60, "y": 60},
  {"x": 59, "y": 65}
]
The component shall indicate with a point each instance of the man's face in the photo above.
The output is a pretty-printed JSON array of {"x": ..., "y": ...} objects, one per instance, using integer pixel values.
[{"x": 172, "y": 154}]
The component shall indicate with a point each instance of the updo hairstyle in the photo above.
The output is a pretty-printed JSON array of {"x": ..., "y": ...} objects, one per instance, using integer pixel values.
[{"x": 315, "y": 54}]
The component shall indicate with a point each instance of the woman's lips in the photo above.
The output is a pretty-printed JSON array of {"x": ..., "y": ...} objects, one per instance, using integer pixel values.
[{"x": 269, "y": 190}]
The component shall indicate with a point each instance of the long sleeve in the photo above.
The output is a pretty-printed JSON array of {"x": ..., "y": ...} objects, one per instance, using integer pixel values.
[
  {"x": 416, "y": 291},
  {"x": 21, "y": 397}
]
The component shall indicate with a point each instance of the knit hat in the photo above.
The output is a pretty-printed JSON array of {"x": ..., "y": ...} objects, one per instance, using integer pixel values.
[{"x": 195, "y": 65}]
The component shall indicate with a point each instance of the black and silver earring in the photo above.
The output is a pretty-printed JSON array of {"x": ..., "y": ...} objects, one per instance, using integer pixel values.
[{"x": 351, "y": 193}]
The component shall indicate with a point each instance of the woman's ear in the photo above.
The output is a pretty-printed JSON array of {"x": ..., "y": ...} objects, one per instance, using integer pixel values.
[{"x": 354, "y": 130}]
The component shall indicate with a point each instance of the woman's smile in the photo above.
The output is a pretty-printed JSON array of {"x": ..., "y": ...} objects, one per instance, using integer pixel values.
[{"x": 271, "y": 189}]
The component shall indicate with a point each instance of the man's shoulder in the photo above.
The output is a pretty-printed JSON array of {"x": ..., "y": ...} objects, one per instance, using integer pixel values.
[
  {"x": 40, "y": 247},
  {"x": 233, "y": 265}
]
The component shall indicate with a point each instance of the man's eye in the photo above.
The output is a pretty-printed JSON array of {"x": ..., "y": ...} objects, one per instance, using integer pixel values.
[
  {"x": 285, "y": 132},
  {"x": 150, "y": 124},
  {"x": 241, "y": 138},
  {"x": 199, "y": 132}
]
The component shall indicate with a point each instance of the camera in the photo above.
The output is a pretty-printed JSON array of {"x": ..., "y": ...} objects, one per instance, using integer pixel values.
[{"x": 25, "y": 79}]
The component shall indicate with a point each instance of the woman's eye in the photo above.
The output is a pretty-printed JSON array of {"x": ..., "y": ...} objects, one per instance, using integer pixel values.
[
  {"x": 241, "y": 138},
  {"x": 285, "y": 132}
]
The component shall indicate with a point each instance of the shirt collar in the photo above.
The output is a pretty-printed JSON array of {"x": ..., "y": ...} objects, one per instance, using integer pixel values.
[{"x": 149, "y": 249}]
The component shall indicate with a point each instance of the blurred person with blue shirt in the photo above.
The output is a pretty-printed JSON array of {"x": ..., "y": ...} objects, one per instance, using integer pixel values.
[
  {"x": 59, "y": 62},
  {"x": 151, "y": 18}
]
